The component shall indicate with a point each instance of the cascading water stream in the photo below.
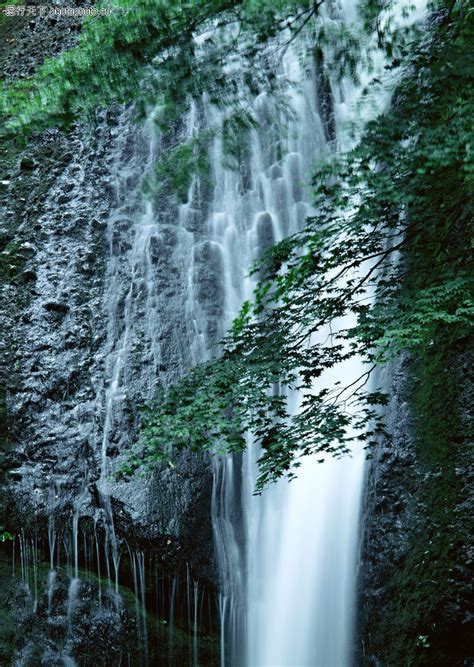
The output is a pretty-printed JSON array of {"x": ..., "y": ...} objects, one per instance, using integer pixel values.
[
  {"x": 288, "y": 558},
  {"x": 122, "y": 317},
  {"x": 290, "y": 564}
]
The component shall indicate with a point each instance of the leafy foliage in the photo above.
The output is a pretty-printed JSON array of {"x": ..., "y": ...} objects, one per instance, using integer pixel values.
[
  {"x": 156, "y": 52},
  {"x": 168, "y": 55},
  {"x": 390, "y": 216}
]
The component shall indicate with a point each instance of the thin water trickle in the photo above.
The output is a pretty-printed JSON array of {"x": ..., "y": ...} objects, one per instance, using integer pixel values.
[
  {"x": 73, "y": 591},
  {"x": 72, "y": 603},
  {"x": 171, "y": 621},
  {"x": 50, "y": 587}
]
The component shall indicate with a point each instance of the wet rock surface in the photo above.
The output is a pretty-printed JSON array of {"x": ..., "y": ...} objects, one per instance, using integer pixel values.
[
  {"x": 50, "y": 618},
  {"x": 64, "y": 625},
  {"x": 55, "y": 410},
  {"x": 72, "y": 284}
]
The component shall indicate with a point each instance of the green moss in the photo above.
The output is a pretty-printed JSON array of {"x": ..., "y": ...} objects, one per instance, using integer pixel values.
[
  {"x": 418, "y": 622},
  {"x": 11, "y": 260}
]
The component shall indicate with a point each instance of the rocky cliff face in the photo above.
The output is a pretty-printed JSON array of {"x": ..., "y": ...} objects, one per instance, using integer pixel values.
[
  {"x": 95, "y": 299},
  {"x": 417, "y": 549},
  {"x": 79, "y": 265}
]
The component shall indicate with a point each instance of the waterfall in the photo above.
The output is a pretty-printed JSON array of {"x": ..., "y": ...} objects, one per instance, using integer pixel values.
[
  {"x": 245, "y": 224},
  {"x": 289, "y": 578},
  {"x": 288, "y": 558}
]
